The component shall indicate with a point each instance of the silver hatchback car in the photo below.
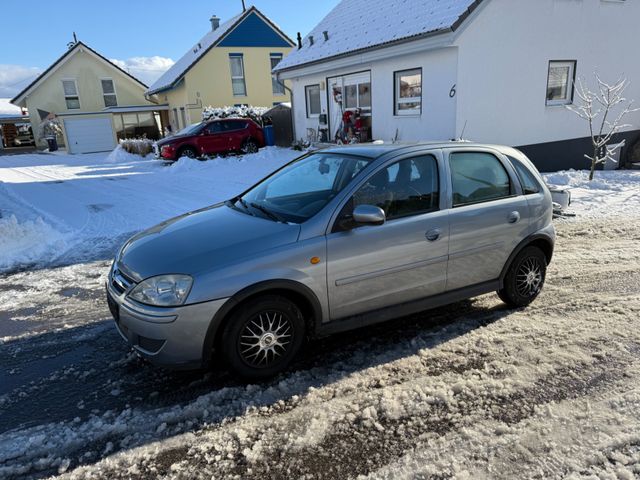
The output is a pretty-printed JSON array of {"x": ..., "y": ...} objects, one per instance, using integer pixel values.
[{"x": 337, "y": 239}]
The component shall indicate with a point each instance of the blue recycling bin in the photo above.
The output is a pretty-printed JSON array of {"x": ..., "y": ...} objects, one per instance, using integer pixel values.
[{"x": 269, "y": 137}]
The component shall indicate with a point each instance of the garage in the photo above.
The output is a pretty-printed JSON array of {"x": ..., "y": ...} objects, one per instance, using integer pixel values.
[{"x": 89, "y": 135}]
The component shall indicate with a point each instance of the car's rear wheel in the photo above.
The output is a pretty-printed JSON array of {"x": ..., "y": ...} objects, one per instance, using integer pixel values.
[
  {"x": 525, "y": 278},
  {"x": 262, "y": 337},
  {"x": 250, "y": 146},
  {"x": 188, "y": 152}
]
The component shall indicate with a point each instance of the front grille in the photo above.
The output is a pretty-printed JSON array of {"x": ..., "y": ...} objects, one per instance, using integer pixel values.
[{"x": 120, "y": 282}]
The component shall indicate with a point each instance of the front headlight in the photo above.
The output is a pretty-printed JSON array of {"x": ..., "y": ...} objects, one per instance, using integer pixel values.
[{"x": 163, "y": 290}]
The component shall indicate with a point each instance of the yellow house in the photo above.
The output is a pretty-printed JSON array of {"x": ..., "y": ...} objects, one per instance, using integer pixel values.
[
  {"x": 96, "y": 102},
  {"x": 230, "y": 65}
]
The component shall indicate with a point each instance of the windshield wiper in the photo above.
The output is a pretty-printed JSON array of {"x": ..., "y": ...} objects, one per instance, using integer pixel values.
[
  {"x": 268, "y": 213},
  {"x": 242, "y": 202}
]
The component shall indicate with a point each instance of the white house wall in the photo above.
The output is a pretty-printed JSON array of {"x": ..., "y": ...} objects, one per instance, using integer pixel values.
[
  {"x": 438, "y": 118},
  {"x": 505, "y": 51}
]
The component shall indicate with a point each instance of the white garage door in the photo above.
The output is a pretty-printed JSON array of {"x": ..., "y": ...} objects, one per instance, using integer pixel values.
[{"x": 88, "y": 135}]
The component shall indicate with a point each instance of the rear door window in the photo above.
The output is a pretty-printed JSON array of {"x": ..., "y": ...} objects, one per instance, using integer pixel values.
[
  {"x": 233, "y": 125},
  {"x": 213, "y": 128},
  {"x": 478, "y": 177}
]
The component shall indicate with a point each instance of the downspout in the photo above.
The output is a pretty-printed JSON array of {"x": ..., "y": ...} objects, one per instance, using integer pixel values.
[{"x": 293, "y": 115}]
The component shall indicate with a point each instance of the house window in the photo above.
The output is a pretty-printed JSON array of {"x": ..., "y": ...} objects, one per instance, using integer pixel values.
[
  {"x": 313, "y": 100},
  {"x": 109, "y": 93},
  {"x": 237, "y": 76},
  {"x": 560, "y": 82},
  {"x": 278, "y": 87},
  {"x": 71, "y": 96},
  {"x": 408, "y": 92}
]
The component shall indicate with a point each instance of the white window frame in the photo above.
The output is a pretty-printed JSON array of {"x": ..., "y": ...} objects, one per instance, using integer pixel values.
[
  {"x": 572, "y": 64},
  {"x": 77, "y": 95},
  {"x": 243, "y": 77},
  {"x": 114, "y": 94},
  {"x": 397, "y": 75},
  {"x": 307, "y": 88},
  {"x": 277, "y": 88}
]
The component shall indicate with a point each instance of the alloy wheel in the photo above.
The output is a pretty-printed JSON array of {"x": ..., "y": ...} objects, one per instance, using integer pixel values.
[
  {"x": 529, "y": 277},
  {"x": 265, "y": 339}
]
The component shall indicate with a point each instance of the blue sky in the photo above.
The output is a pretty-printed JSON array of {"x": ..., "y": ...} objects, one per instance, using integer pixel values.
[{"x": 142, "y": 35}]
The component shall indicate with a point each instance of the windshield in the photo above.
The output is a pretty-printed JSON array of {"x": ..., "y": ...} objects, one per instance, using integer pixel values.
[
  {"x": 190, "y": 130},
  {"x": 303, "y": 188}
]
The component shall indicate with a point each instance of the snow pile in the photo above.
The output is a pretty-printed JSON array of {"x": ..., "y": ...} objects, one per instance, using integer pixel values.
[
  {"x": 120, "y": 155},
  {"x": 99, "y": 200},
  {"x": 615, "y": 192},
  {"x": 27, "y": 242}
]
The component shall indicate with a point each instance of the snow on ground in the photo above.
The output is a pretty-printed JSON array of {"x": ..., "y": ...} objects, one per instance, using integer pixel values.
[
  {"x": 66, "y": 208},
  {"x": 473, "y": 390},
  {"x": 612, "y": 192}
]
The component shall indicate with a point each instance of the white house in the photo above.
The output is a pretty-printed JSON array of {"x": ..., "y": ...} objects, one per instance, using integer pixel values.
[{"x": 495, "y": 71}]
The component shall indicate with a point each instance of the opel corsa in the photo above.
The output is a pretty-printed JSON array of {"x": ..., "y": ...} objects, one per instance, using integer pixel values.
[{"x": 335, "y": 240}]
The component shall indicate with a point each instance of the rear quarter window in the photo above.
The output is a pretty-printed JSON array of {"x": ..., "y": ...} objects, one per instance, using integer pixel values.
[{"x": 527, "y": 179}]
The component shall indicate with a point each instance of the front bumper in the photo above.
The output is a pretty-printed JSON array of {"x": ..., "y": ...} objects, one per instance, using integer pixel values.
[{"x": 169, "y": 337}]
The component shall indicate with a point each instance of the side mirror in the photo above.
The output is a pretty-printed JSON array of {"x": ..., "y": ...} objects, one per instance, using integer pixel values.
[{"x": 369, "y": 215}]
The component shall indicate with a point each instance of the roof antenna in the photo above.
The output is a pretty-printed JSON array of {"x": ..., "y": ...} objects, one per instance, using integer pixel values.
[
  {"x": 70, "y": 45},
  {"x": 299, "y": 41},
  {"x": 461, "y": 139},
  {"x": 244, "y": 7}
]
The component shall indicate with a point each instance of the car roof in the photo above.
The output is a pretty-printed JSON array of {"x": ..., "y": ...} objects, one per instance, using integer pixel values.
[{"x": 377, "y": 150}]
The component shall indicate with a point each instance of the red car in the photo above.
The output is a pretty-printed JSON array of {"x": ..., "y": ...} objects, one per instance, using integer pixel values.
[{"x": 212, "y": 137}]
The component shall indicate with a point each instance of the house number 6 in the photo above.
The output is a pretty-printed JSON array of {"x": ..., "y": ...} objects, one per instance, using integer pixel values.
[{"x": 452, "y": 92}]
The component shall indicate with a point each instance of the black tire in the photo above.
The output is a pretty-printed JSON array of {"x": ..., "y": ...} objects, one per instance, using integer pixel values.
[
  {"x": 275, "y": 327},
  {"x": 188, "y": 152},
  {"x": 250, "y": 146},
  {"x": 525, "y": 278}
]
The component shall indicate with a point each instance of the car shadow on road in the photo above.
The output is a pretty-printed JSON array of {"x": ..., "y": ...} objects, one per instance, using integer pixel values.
[{"x": 75, "y": 375}]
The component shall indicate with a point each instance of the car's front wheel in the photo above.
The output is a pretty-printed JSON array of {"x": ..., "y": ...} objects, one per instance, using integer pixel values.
[
  {"x": 262, "y": 337},
  {"x": 188, "y": 152},
  {"x": 525, "y": 278}
]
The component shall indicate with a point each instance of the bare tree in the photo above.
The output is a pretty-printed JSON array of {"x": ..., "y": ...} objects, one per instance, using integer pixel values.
[{"x": 598, "y": 109}]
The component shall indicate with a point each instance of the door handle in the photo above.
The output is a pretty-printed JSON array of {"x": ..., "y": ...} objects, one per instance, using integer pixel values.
[
  {"x": 514, "y": 217},
  {"x": 433, "y": 235}
]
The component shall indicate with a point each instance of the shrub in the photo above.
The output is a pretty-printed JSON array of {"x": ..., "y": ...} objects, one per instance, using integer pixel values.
[
  {"x": 254, "y": 113},
  {"x": 137, "y": 146}
]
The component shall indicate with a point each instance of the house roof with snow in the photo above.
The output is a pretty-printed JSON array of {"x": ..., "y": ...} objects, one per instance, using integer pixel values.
[
  {"x": 78, "y": 46},
  {"x": 250, "y": 28},
  {"x": 354, "y": 26}
]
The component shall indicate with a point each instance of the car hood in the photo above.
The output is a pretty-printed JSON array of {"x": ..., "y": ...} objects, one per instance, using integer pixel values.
[
  {"x": 173, "y": 138},
  {"x": 201, "y": 241}
]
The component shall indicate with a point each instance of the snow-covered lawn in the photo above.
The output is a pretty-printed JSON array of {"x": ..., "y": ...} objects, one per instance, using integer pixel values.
[{"x": 62, "y": 208}]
